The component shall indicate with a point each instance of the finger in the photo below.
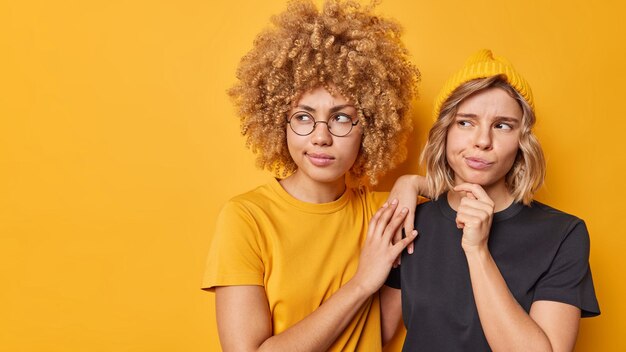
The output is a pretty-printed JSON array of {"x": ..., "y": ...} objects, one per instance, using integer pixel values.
[
  {"x": 407, "y": 226},
  {"x": 459, "y": 220},
  {"x": 396, "y": 262},
  {"x": 374, "y": 220},
  {"x": 385, "y": 217},
  {"x": 474, "y": 214},
  {"x": 397, "y": 238},
  {"x": 467, "y": 203},
  {"x": 400, "y": 246},
  {"x": 411, "y": 247},
  {"x": 394, "y": 224},
  {"x": 467, "y": 220},
  {"x": 409, "y": 221},
  {"x": 474, "y": 204},
  {"x": 477, "y": 191}
]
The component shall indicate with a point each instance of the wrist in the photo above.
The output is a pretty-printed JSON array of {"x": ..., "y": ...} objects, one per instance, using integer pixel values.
[
  {"x": 476, "y": 250},
  {"x": 420, "y": 184},
  {"x": 359, "y": 288}
]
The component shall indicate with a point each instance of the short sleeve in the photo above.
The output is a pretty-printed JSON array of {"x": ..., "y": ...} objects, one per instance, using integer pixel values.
[
  {"x": 569, "y": 279},
  {"x": 234, "y": 256},
  {"x": 393, "y": 280}
]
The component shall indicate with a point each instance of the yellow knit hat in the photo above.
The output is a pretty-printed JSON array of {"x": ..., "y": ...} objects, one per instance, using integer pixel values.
[{"x": 482, "y": 65}]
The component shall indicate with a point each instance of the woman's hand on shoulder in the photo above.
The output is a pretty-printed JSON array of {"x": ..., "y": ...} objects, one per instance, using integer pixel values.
[{"x": 379, "y": 252}]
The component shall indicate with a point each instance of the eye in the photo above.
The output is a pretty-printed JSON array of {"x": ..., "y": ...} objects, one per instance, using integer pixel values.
[
  {"x": 302, "y": 118},
  {"x": 503, "y": 126},
  {"x": 463, "y": 123},
  {"x": 341, "y": 118}
]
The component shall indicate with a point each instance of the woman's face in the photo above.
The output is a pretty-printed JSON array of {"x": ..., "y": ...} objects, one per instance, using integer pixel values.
[
  {"x": 320, "y": 156},
  {"x": 483, "y": 140}
]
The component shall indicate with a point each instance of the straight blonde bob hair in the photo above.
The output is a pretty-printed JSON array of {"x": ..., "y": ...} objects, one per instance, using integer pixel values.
[{"x": 528, "y": 171}]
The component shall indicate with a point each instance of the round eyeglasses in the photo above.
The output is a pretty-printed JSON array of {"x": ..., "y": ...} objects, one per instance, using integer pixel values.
[{"x": 303, "y": 124}]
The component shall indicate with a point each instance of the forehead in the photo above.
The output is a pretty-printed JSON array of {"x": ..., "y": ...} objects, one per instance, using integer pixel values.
[{"x": 491, "y": 102}]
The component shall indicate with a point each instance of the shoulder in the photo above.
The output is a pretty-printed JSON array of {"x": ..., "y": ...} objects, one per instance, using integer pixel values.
[
  {"x": 542, "y": 214},
  {"x": 256, "y": 194},
  {"x": 373, "y": 199},
  {"x": 552, "y": 227},
  {"x": 259, "y": 199},
  {"x": 261, "y": 195},
  {"x": 550, "y": 212}
]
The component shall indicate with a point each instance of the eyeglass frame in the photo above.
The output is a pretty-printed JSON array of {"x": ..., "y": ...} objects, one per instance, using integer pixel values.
[{"x": 315, "y": 122}]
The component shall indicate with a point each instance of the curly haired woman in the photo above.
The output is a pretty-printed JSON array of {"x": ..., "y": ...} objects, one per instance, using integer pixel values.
[{"x": 323, "y": 98}]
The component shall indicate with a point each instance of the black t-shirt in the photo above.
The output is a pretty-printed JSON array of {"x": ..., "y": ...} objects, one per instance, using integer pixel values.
[{"x": 541, "y": 252}]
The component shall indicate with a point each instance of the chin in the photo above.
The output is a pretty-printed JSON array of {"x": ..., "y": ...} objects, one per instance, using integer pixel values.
[
  {"x": 328, "y": 179},
  {"x": 325, "y": 175},
  {"x": 480, "y": 180}
]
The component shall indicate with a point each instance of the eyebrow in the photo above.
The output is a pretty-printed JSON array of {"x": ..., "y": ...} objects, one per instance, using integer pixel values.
[
  {"x": 499, "y": 118},
  {"x": 333, "y": 109},
  {"x": 465, "y": 115},
  {"x": 509, "y": 119}
]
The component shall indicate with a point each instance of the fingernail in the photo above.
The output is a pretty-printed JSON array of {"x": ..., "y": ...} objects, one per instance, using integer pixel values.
[
  {"x": 404, "y": 210},
  {"x": 385, "y": 205},
  {"x": 410, "y": 250},
  {"x": 394, "y": 202}
]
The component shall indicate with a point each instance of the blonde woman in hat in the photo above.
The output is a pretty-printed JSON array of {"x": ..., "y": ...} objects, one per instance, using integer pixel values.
[
  {"x": 322, "y": 96},
  {"x": 493, "y": 269}
]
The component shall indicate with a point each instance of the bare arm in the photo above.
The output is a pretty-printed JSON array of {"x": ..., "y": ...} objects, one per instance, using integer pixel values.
[
  {"x": 244, "y": 321},
  {"x": 243, "y": 315},
  {"x": 390, "y": 311},
  {"x": 550, "y": 326}
]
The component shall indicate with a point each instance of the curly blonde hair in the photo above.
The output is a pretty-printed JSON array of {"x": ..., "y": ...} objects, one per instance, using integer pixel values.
[
  {"x": 345, "y": 49},
  {"x": 529, "y": 168}
]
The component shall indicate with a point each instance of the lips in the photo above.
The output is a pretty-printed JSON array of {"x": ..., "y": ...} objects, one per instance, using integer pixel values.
[
  {"x": 320, "y": 159},
  {"x": 477, "y": 163}
]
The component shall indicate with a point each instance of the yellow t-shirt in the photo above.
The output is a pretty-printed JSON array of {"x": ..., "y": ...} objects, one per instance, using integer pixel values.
[{"x": 300, "y": 252}]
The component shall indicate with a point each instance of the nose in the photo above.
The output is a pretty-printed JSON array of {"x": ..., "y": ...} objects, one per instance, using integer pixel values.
[
  {"x": 483, "y": 138},
  {"x": 321, "y": 135}
]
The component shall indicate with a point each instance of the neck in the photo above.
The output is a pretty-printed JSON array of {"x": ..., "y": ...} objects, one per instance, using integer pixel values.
[
  {"x": 498, "y": 193},
  {"x": 311, "y": 191}
]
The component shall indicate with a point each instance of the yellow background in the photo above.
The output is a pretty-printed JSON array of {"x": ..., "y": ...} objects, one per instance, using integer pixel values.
[{"x": 118, "y": 146}]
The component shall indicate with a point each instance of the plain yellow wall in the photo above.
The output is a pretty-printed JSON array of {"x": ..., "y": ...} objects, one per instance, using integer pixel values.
[{"x": 118, "y": 145}]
